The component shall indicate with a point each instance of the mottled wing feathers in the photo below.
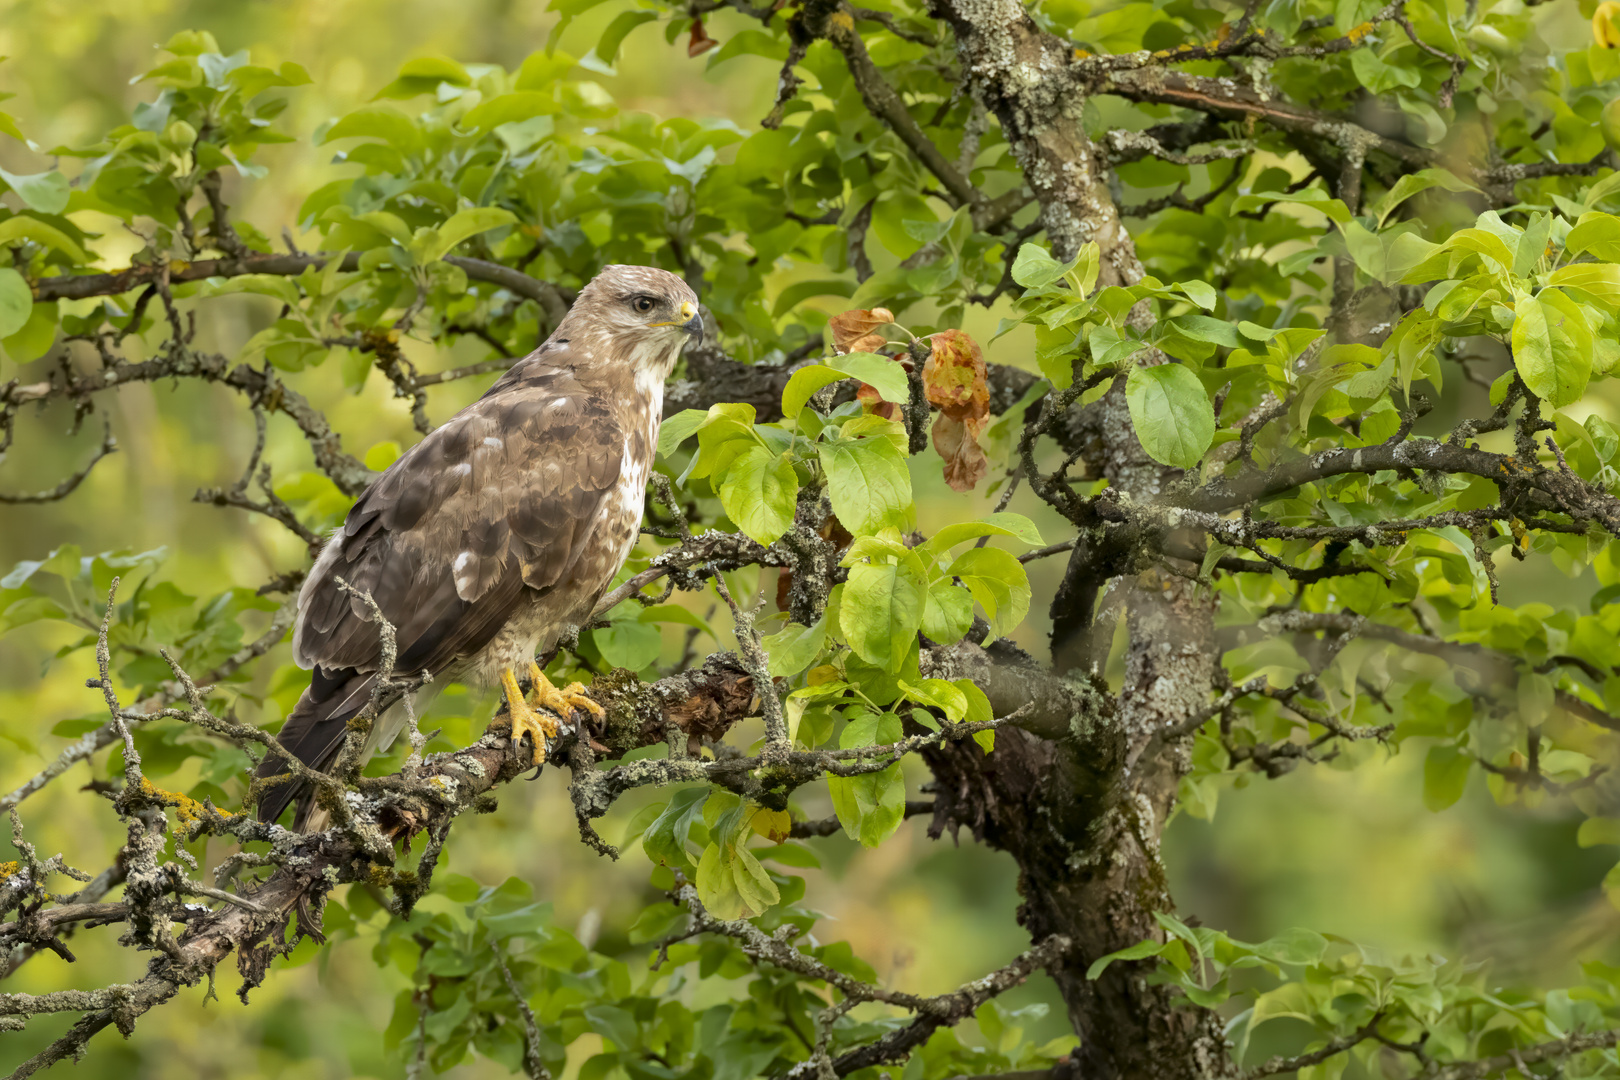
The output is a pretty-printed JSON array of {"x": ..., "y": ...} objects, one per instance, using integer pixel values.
[
  {"x": 499, "y": 497},
  {"x": 500, "y": 500}
]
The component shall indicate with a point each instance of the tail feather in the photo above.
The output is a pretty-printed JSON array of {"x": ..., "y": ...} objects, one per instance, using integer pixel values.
[{"x": 314, "y": 734}]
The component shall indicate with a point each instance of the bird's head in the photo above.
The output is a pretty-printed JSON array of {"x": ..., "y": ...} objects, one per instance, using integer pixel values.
[{"x": 639, "y": 312}]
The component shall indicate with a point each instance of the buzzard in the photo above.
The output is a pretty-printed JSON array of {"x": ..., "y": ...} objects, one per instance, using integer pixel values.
[{"x": 495, "y": 532}]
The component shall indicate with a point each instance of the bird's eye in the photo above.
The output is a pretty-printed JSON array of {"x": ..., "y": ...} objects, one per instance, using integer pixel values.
[{"x": 642, "y": 304}]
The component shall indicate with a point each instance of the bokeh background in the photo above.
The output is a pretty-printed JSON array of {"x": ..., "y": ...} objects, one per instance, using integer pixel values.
[{"x": 1346, "y": 848}]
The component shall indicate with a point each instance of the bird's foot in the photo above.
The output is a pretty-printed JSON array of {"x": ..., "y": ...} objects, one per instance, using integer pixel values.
[
  {"x": 525, "y": 721},
  {"x": 563, "y": 701}
]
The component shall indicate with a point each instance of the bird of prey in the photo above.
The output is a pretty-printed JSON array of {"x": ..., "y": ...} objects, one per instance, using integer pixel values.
[{"x": 488, "y": 538}]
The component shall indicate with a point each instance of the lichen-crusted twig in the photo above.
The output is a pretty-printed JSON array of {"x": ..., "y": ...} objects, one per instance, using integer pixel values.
[
  {"x": 932, "y": 1013},
  {"x": 154, "y": 706},
  {"x": 532, "y": 1065},
  {"x": 304, "y": 868},
  {"x": 748, "y": 641}
]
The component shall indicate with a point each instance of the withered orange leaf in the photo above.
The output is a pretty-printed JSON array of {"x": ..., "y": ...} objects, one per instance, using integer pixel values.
[
  {"x": 958, "y": 443},
  {"x": 852, "y": 328},
  {"x": 700, "y": 42},
  {"x": 955, "y": 376},
  {"x": 873, "y": 402}
]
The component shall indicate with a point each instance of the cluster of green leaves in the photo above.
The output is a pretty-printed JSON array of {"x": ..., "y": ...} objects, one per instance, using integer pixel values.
[
  {"x": 859, "y": 661},
  {"x": 634, "y": 990},
  {"x": 1549, "y": 289},
  {"x": 1379, "y": 1002},
  {"x": 71, "y": 588},
  {"x": 213, "y": 113}
]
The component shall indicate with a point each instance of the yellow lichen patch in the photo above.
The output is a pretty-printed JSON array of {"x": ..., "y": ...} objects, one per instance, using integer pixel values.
[
  {"x": 1356, "y": 33},
  {"x": 187, "y": 809},
  {"x": 1081, "y": 54},
  {"x": 9, "y": 868},
  {"x": 843, "y": 20}
]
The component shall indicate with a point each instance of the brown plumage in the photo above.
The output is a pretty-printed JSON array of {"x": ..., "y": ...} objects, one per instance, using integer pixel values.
[{"x": 498, "y": 530}]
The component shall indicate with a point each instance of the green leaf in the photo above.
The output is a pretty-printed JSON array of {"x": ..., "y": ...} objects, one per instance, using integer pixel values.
[
  {"x": 666, "y": 838},
  {"x": 1535, "y": 697},
  {"x": 34, "y": 340},
  {"x": 868, "y": 482},
  {"x": 1532, "y": 245},
  {"x": 1204, "y": 328},
  {"x": 26, "y": 228},
  {"x": 1597, "y": 234},
  {"x": 1598, "y": 831},
  {"x": 870, "y": 807},
  {"x": 628, "y": 643},
  {"x": 727, "y": 429},
  {"x": 16, "y": 301},
  {"x": 423, "y": 75},
  {"x": 1366, "y": 249},
  {"x": 886, "y": 375},
  {"x": 1201, "y": 293},
  {"x": 1140, "y": 951},
  {"x": 717, "y": 886},
  {"x": 947, "y": 612},
  {"x": 271, "y": 285},
  {"x": 938, "y": 694},
  {"x": 1445, "y": 775},
  {"x": 1412, "y": 183},
  {"x": 678, "y": 428},
  {"x": 1034, "y": 268},
  {"x": 1087, "y": 266},
  {"x": 1601, "y": 281},
  {"x": 1171, "y": 412},
  {"x": 467, "y": 223},
  {"x": 802, "y": 386},
  {"x": 46, "y": 192},
  {"x": 882, "y": 609},
  {"x": 1482, "y": 242},
  {"x": 793, "y": 648},
  {"x": 378, "y": 122},
  {"x": 1552, "y": 346},
  {"x": 754, "y": 885},
  {"x": 1002, "y": 524},
  {"x": 760, "y": 493},
  {"x": 510, "y": 108},
  {"x": 1315, "y": 198},
  {"x": 998, "y": 582},
  {"x": 1296, "y": 946},
  {"x": 655, "y": 922}
]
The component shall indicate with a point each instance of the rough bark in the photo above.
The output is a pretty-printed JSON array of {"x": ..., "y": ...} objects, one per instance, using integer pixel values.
[
  {"x": 1020, "y": 73},
  {"x": 1088, "y": 847}
]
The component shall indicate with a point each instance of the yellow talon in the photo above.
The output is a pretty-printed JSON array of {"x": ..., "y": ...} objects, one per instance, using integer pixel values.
[
  {"x": 540, "y": 726},
  {"x": 564, "y": 701},
  {"x": 525, "y": 721}
]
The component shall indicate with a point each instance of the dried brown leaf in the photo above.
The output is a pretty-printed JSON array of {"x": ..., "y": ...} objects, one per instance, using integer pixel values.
[
  {"x": 873, "y": 402},
  {"x": 700, "y": 42},
  {"x": 957, "y": 442},
  {"x": 852, "y": 329}
]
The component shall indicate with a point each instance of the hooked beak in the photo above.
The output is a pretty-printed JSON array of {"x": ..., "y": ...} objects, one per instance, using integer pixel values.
[{"x": 693, "y": 324}]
